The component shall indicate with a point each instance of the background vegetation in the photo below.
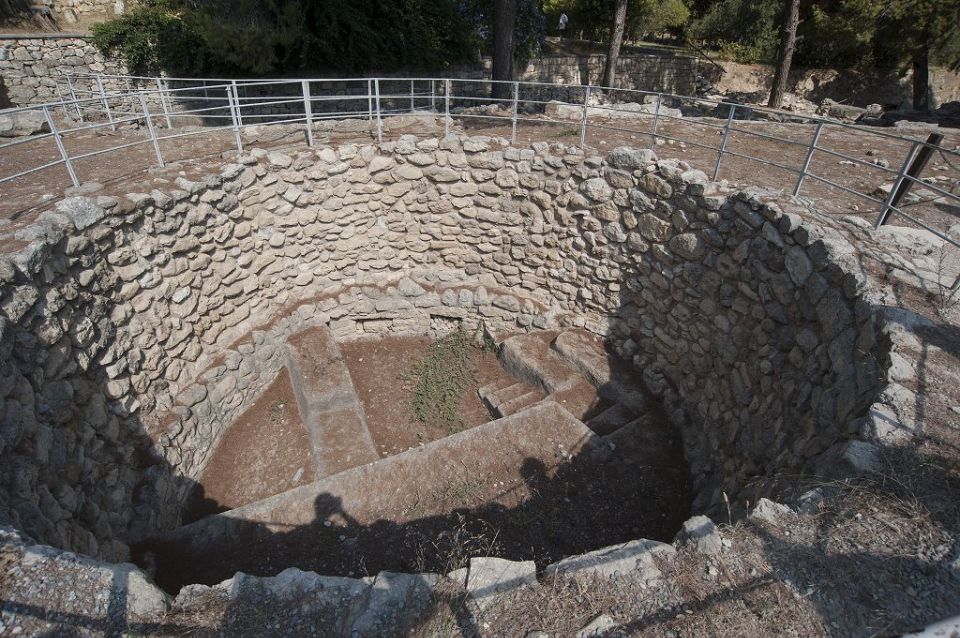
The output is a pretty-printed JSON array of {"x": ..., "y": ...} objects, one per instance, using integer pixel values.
[
  {"x": 259, "y": 37},
  {"x": 276, "y": 37}
]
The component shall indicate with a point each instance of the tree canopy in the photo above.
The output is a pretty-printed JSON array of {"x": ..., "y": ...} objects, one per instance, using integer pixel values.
[{"x": 258, "y": 37}]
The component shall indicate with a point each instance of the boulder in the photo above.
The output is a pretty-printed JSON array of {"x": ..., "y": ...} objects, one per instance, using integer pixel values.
[{"x": 22, "y": 123}]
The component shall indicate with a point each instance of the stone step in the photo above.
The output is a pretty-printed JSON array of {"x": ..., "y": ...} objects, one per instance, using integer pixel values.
[
  {"x": 529, "y": 357},
  {"x": 328, "y": 403},
  {"x": 611, "y": 419},
  {"x": 509, "y": 399},
  {"x": 516, "y": 404},
  {"x": 496, "y": 394},
  {"x": 614, "y": 379},
  {"x": 296, "y": 528}
]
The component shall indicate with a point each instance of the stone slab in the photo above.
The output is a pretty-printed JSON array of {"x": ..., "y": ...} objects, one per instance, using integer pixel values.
[
  {"x": 216, "y": 547},
  {"x": 634, "y": 558},
  {"x": 328, "y": 403}
]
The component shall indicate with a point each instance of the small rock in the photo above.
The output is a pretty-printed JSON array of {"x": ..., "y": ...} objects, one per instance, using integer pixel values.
[
  {"x": 599, "y": 626},
  {"x": 702, "y": 533}
]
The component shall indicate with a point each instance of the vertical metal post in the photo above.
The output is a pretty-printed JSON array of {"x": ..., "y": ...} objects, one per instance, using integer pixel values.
[
  {"x": 236, "y": 102},
  {"x": 412, "y": 109},
  {"x": 150, "y": 129},
  {"x": 308, "y": 111},
  {"x": 806, "y": 162},
  {"x": 63, "y": 151},
  {"x": 130, "y": 102},
  {"x": 233, "y": 117},
  {"x": 206, "y": 91},
  {"x": 433, "y": 95},
  {"x": 163, "y": 103},
  {"x": 723, "y": 142},
  {"x": 446, "y": 108},
  {"x": 376, "y": 91},
  {"x": 73, "y": 96},
  {"x": 106, "y": 105},
  {"x": 901, "y": 175},
  {"x": 656, "y": 122},
  {"x": 63, "y": 106},
  {"x": 513, "y": 117},
  {"x": 370, "y": 100},
  {"x": 583, "y": 118}
]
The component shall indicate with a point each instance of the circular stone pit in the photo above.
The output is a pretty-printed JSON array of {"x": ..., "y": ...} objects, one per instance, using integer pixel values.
[{"x": 133, "y": 332}]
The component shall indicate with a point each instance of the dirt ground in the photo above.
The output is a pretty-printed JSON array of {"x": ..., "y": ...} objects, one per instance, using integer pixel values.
[
  {"x": 264, "y": 452},
  {"x": 379, "y": 369}
]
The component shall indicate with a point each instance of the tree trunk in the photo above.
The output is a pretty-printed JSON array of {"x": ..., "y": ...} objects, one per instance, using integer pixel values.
[
  {"x": 504, "y": 21},
  {"x": 616, "y": 39},
  {"x": 785, "y": 56},
  {"x": 921, "y": 79}
]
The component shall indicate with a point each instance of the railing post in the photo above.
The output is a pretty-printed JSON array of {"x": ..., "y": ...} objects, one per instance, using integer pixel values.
[
  {"x": 583, "y": 118},
  {"x": 106, "y": 105},
  {"x": 412, "y": 109},
  {"x": 233, "y": 117},
  {"x": 901, "y": 175},
  {"x": 63, "y": 104},
  {"x": 369, "y": 100},
  {"x": 806, "y": 162},
  {"x": 236, "y": 102},
  {"x": 513, "y": 117},
  {"x": 308, "y": 111},
  {"x": 63, "y": 150},
  {"x": 376, "y": 91},
  {"x": 723, "y": 142},
  {"x": 446, "y": 108},
  {"x": 656, "y": 122},
  {"x": 150, "y": 129},
  {"x": 433, "y": 95},
  {"x": 163, "y": 103},
  {"x": 133, "y": 106},
  {"x": 73, "y": 96}
]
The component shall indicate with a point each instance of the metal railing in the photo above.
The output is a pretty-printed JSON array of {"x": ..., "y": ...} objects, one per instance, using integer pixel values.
[{"x": 90, "y": 103}]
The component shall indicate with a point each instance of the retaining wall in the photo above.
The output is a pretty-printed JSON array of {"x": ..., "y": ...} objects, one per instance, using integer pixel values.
[
  {"x": 133, "y": 331},
  {"x": 31, "y": 68}
]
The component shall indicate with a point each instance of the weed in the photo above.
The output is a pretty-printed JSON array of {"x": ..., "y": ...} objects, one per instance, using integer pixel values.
[{"x": 440, "y": 379}]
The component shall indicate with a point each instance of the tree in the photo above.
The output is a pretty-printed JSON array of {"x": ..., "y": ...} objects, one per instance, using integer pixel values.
[
  {"x": 791, "y": 20},
  {"x": 259, "y": 37},
  {"x": 616, "y": 39},
  {"x": 504, "y": 23},
  {"x": 915, "y": 31}
]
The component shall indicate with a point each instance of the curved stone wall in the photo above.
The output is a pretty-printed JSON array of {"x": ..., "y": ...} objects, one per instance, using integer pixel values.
[{"x": 133, "y": 331}]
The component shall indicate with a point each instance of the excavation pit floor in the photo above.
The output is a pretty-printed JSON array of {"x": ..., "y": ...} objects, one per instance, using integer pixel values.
[{"x": 533, "y": 474}]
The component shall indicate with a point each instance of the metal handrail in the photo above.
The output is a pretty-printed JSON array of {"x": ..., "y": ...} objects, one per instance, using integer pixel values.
[{"x": 134, "y": 105}]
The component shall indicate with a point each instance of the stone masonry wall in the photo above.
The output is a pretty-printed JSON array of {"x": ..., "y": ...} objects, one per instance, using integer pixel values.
[
  {"x": 67, "y": 12},
  {"x": 31, "y": 68},
  {"x": 134, "y": 330}
]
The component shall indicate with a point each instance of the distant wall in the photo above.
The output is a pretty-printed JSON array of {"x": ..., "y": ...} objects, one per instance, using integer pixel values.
[
  {"x": 845, "y": 85},
  {"x": 71, "y": 11},
  {"x": 31, "y": 67}
]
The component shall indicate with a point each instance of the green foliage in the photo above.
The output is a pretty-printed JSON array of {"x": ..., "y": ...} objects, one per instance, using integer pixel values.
[
  {"x": 905, "y": 27},
  {"x": 743, "y": 30},
  {"x": 152, "y": 37},
  {"x": 839, "y": 33},
  {"x": 260, "y": 37},
  {"x": 440, "y": 379},
  {"x": 592, "y": 19}
]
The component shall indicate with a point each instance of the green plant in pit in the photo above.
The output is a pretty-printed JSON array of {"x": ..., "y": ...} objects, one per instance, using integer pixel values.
[{"x": 440, "y": 379}]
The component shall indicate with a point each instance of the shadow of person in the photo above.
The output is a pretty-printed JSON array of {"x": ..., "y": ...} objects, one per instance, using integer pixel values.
[{"x": 328, "y": 507}]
